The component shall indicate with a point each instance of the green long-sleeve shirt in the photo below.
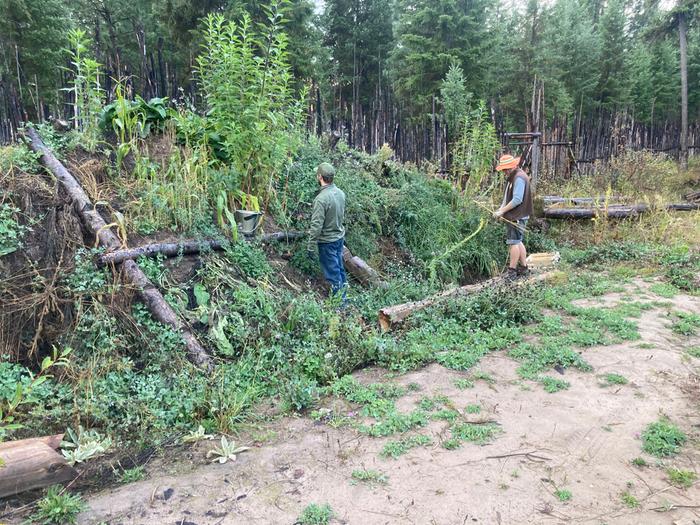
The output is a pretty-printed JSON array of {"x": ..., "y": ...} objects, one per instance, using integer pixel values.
[{"x": 327, "y": 216}]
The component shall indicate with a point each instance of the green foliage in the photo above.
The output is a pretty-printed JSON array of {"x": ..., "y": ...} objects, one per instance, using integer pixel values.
[
  {"x": 300, "y": 393},
  {"x": 18, "y": 157},
  {"x": 463, "y": 383},
  {"x": 148, "y": 115},
  {"x": 539, "y": 358},
  {"x": 474, "y": 152},
  {"x": 58, "y": 507},
  {"x": 629, "y": 500},
  {"x": 370, "y": 477},
  {"x": 694, "y": 351},
  {"x": 475, "y": 433},
  {"x": 664, "y": 290},
  {"x": 395, "y": 449},
  {"x": 681, "y": 478},
  {"x": 132, "y": 475},
  {"x": 246, "y": 79},
  {"x": 82, "y": 445},
  {"x": 86, "y": 90},
  {"x": 552, "y": 384},
  {"x": 250, "y": 259},
  {"x": 11, "y": 231},
  {"x": 614, "y": 379},
  {"x": 473, "y": 409},
  {"x": 639, "y": 462},
  {"x": 662, "y": 439},
  {"x": 685, "y": 323},
  {"x": 563, "y": 494},
  {"x": 395, "y": 423},
  {"x": 316, "y": 515}
]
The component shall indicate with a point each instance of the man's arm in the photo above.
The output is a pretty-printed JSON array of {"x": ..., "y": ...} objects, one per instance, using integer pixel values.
[
  {"x": 518, "y": 195},
  {"x": 317, "y": 217}
]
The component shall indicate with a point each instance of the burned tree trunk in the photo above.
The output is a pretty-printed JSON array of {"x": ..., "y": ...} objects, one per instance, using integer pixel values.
[{"x": 94, "y": 222}]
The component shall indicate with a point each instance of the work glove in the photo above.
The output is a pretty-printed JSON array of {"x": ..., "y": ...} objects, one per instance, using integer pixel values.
[{"x": 497, "y": 214}]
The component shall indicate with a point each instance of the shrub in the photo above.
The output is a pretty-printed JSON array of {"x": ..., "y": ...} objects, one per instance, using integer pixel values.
[
  {"x": 58, "y": 507},
  {"x": 662, "y": 439},
  {"x": 316, "y": 515}
]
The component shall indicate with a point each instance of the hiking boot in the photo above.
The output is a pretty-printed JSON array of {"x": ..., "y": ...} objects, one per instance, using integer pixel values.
[{"x": 523, "y": 271}]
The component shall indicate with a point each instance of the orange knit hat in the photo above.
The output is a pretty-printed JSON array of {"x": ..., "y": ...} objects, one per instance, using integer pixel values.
[{"x": 507, "y": 162}]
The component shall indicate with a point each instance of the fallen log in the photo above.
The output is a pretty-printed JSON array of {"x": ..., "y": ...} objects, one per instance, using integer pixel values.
[
  {"x": 31, "y": 464},
  {"x": 612, "y": 212},
  {"x": 175, "y": 249},
  {"x": 390, "y": 316},
  {"x": 360, "y": 270},
  {"x": 693, "y": 196},
  {"x": 53, "y": 442},
  {"x": 94, "y": 222}
]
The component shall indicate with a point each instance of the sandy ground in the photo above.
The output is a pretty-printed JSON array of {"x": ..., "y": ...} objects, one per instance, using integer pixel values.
[{"x": 581, "y": 439}]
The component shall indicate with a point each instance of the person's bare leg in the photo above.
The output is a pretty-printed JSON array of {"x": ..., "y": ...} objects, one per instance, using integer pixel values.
[
  {"x": 523, "y": 254},
  {"x": 514, "y": 250}
]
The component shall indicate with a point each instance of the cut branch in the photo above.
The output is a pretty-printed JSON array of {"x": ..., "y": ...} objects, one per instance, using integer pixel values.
[
  {"x": 390, "y": 316},
  {"x": 94, "y": 222},
  {"x": 168, "y": 249}
]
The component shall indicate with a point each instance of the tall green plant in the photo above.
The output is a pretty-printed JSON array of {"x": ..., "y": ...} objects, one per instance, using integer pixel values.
[
  {"x": 474, "y": 150},
  {"x": 88, "y": 95},
  {"x": 247, "y": 81}
]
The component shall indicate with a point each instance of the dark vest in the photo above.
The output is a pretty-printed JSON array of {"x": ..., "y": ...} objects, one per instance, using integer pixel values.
[{"x": 524, "y": 209}]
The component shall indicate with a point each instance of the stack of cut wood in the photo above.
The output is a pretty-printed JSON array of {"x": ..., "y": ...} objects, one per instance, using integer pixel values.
[{"x": 32, "y": 464}]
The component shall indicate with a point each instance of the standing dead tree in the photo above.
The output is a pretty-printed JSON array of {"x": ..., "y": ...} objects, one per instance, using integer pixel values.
[{"x": 97, "y": 226}]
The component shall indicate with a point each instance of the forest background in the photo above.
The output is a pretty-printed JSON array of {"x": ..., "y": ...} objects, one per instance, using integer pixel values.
[{"x": 357, "y": 59}]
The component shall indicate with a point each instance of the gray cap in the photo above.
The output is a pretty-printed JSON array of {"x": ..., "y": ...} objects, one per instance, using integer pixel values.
[{"x": 326, "y": 170}]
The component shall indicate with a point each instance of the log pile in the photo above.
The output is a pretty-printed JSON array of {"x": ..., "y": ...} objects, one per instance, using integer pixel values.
[
  {"x": 32, "y": 464},
  {"x": 616, "y": 211},
  {"x": 97, "y": 226}
]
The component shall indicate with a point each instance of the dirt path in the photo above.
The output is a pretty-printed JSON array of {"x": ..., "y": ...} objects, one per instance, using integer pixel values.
[{"x": 581, "y": 439}]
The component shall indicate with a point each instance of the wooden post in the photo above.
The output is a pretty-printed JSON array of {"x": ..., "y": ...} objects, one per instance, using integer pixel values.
[{"x": 535, "y": 162}]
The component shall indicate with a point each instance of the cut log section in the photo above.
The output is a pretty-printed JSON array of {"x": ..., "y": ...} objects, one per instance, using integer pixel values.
[
  {"x": 360, "y": 270},
  {"x": 32, "y": 464},
  {"x": 612, "y": 212},
  {"x": 393, "y": 315},
  {"x": 94, "y": 222}
]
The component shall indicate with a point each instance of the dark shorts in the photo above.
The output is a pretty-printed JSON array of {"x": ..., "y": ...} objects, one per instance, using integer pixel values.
[{"x": 516, "y": 235}]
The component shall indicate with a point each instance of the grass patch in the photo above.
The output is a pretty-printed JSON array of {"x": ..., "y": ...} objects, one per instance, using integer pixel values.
[
  {"x": 475, "y": 433},
  {"x": 613, "y": 379},
  {"x": 369, "y": 477},
  {"x": 681, "y": 478},
  {"x": 563, "y": 494},
  {"x": 58, "y": 507},
  {"x": 473, "y": 409},
  {"x": 446, "y": 414},
  {"x": 639, "y": 462},
  {"x": 694, "y": 351},
  {"x": 686, "y": 324},
  {"x": 629, "y": 500},
  {"x": 394, "y": 449},
  {"x": 548, "y": 354},
  {"x": 463, "y": 383},
  {"x": 396, "y": 423},
  {"x": 665, "y": 290},
  {"x": 132, "y": 475},
  {"x": 316, "y": 515},
  {"x": 662, "y": 439},
  {"x": 552, "y": 384}
]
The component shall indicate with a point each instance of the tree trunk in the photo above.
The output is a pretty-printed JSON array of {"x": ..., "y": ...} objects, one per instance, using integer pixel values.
[
  {"x": 682, "y": 30},
  {"x": 31, "y": 464},
  {"x": 613, "y": 212},
  {"x": 94, "y": 222}
]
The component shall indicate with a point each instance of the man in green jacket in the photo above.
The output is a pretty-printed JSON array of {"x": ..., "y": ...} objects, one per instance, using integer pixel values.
[{"x": 327, "y": 233}]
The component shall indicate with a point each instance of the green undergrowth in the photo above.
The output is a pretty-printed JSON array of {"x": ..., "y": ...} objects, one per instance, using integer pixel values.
[{"x": 662, "y": 439}]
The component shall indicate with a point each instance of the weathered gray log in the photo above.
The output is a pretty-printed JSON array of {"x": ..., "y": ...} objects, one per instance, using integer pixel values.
[
  {"x": 168, "y": 249},
  {"x": 391, "y": 316},
  {"x": 53, "y": 442},
  {"x": 360, "y": 270},
  {"x": 613, "y": 212},
  {"x": 281, "y": 237},
  {"x": 693, "y": 196},
  {"x": 31, "y": 464},
  {"x": 555, "y": 199},
  {"x": 94, "y": 222}
]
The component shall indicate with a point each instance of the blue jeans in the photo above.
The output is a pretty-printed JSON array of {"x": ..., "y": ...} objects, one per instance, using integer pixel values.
[{"x": 330, "y": 255}]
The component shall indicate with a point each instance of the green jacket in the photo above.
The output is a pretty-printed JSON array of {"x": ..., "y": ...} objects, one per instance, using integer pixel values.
[{"x": 327, "y": 216}]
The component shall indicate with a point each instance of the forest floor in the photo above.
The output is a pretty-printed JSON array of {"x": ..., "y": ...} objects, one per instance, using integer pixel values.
[{"x": 577, "y": 443}]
